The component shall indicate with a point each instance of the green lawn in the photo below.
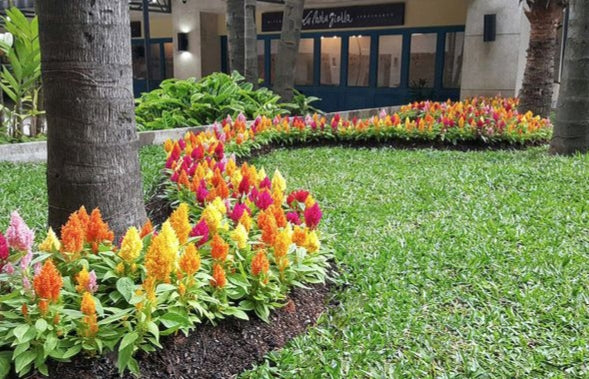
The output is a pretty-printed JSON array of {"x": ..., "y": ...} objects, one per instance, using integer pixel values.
[
  {"x": 453, "y": 264},
  {"x": 457, "y": 264},
  {"x": 23, "y": 187}
]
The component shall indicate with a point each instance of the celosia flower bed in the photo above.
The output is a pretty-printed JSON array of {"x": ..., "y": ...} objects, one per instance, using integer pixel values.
[
  {"x": 478, "y": 120},
  {"x": 237, "y": 241}
]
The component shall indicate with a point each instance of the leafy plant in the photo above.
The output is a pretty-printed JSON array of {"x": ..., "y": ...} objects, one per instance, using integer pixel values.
[{"x": 20, "y": 78}]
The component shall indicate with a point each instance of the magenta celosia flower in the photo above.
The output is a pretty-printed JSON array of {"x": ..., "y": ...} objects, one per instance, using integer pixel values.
[
  {"x": 198, "y": 153},
  {"x": 202, "y": 192},
  {"x": 219, "y": 151},
  {"x": 265, "y": 183},
  {"x": 200, "y": 230},
  {"x": 237, "y": 212},
  {"x": 293, "y": 218},
  {"x": 264, "y": 200},
  {"x": 182, "y": 143},
  {"x": 244, "y": 185},
  {"x": 313, "y": 216},
  {"x": 92, "y": 285},
  {"x": 18, "y": 234},
  {"x": 298, "y": 195},
  {"x": 3, "y": 248},
  {"x": 175, "y": 176}
]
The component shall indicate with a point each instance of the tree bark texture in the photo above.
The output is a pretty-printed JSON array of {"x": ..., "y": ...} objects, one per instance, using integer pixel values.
[
  {"x": 235, "y": 35},
  {"x": 571, "y": 127},
  {"x": 251, "y": 43},
  {"x": 538, "y": 83},
  {"x": 288, "y": 48},
  {"x": 92, "y": 142}
]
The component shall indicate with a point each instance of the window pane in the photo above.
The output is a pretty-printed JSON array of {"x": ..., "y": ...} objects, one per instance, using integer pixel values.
[
  {"x": 261, "y": 68},
  {"x": 359, "y": 61},
  {"x": 169, "y": 57},
  {"x": 304, "y": 63},
  {"x": 453, "y": 59},
  {"x": 139, "y": 69},
  {"x": 331, "y": 59},
  {"x": 422, "y": 65},
  {"x": 389, "y": 60},
  {"x": 156, "y": 69}
]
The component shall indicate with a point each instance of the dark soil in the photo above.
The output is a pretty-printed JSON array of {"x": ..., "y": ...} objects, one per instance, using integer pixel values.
[{"x": 220, "y": 351}]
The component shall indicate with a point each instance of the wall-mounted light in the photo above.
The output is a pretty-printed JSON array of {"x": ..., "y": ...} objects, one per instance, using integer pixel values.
[
  {"x": 489, "y": 27},
  {"x": 182, "y": 41}
]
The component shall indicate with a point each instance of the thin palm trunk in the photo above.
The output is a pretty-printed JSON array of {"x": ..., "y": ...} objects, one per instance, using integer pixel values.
[
  {"x": 288, "y": 48},
  {"x": 571, "y": 127},
  {"x": 92, "y": 142},
  {"x": 235, "y": 35},
  {"x": 251, "y": 43},
  {"x": 538, "y": 83}
]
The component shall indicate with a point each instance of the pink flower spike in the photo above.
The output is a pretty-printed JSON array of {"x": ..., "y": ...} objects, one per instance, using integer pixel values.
[
  {"x": 37, "y": 268},
  {"x": 26, "y": 260},
  {"x": 92, "y": 285},
  {"x": 9, "y": 269},
  {"x": 18, "y": 234}
]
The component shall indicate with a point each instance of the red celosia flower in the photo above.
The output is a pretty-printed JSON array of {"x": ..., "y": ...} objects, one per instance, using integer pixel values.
[
  {"x": 48, "y": 282},
  {"x": 264, "y": 199},
  {"x": 313, "y": 216},
  {"x": 98, "y": 231},
  {"x": 219, "y": 248},
  {"x": 260, "y": 264},
  {"x": 244, "y": 185},
  {"x": 298, "y": 195},
  {"x": 202, "y": 192},
  {"x": 3, "y": 249},
  {"x": 293, "y": 218},
  {"x": 265, "y": 183},
  {"x": 219, "y": 280},
  {"x": 147, "y": 228}
]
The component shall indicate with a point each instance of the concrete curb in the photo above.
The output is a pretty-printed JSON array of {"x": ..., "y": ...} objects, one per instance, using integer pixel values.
[{"x": 37, "y": 151}]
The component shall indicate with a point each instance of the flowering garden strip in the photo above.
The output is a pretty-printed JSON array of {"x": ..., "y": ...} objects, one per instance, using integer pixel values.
[{"x": 220, "y": 204}]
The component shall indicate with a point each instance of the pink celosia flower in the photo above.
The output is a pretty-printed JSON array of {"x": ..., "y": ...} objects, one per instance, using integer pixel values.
[
  {"x": 219, "y": 151},
  {"x": 313, "y": 216},
  {"x": 18, "y": 234},
  {"x": 298, "y": 195},
  {"x": 37, "y": 268},
  {"x": 202, "y": 192},
  {"x": 244, "y": 185},
  {"x": 382, "y": 113},
  {"x": 26, "y": 283},
  {"x": 198, "y": 153},
  {"x": 265, "y": 183},
  {"x": 293, "y": 218},
  {"x": 241, "y": 117},
  {"x": 8, "y": 268},
  {"x": 237, "y": 212},
  {"x": 26, "y": 260},
  {"x": 200, "y": 230},
  {"x": 92, "y": 285}
]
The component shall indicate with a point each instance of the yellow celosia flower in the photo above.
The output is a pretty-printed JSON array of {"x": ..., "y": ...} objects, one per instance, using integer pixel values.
[
  {"x": 261, "y": 175},
  {"x": 239, "y": 235},
  {"x": 236, "y": 178},
  {"x": 278, "y": 181},
  {"x": 51, "y": 243},
  {"x": 309, "y": 202},
  {"x": 246, "y": 221},
  {"x": 282, "y": 243},
  {"x": 219, "y": 205},
  {"x": 161, "y": 256},
  {"x": 313, "y": 243},
  {"x": 131, "y": 245},
  {"x": 212, "y": 217},
  {"x": 181, "y": 223}
]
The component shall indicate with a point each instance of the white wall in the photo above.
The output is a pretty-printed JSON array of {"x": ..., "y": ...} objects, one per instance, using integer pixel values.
[
  {"x": 186, "y": 19},
  {"x": 494, "y": 68}
]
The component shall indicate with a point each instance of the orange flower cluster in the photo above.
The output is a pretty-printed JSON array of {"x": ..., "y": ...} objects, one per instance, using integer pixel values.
[
  {"x": 219, "y": 248},
  {"x": 47, "y": 285},
  {"x": 82, "y": 228},
  {"x": 260, "y": 264},
  {"x": 219, "y": 280},
  {"x": 189, "y": 261},
  {"x": 161, "y": 255},
  {"x": 181, "y": 223},
  {"x": 88, "y": 308},
  {"x": 268, "y": 226}
]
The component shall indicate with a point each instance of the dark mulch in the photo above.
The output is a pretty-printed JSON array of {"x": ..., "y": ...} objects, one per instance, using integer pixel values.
[{"x": 220, "y": 351}]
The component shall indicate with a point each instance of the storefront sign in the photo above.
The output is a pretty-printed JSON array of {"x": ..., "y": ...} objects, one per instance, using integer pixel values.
[{"x": 343, "y": 17}]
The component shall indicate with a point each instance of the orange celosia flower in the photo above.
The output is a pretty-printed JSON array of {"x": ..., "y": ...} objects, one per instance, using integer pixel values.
[
  {"x": 43, "y": 306},
  {"x": 146, "y": 229},
  {"x": 279, "y": 215},
  {"x": 283, "y": 263},
  {"x": 83, "y": 216},
  {"x": 24, "y": 309},
  {"x": 149, "y": 288},
  {"x": 183, "y": 180},
  {"x": 219, "y": 280},
  {"x": 180, "y": 222},
  {"x": 48, "y": 282},
  {"x": 98, "y": 231},
  {"x": 190, "y": 260},
  {"x": 181, "y": 289},
  {"x": 267, "y": 224},
  {"x": 222, "y": 190},
  {"x": 282, "y": 243},
  {"x": 73, "y": 235},
  {"x": 260, "y": 264},
  {"x": 88, "y": 308},
  {"x": 246, "y": 221},
  {"x": 219, "y": 248},
  {"x": 300, "y": 236},
  {"x": 161, "y": 255}
]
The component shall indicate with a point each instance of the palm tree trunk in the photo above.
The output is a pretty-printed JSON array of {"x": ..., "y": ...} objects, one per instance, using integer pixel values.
[
  {"x": 288, "y": 48},
  {"x": 538, "y": 83},
  {"x": 251, "y": 43},
  {"x": 92, "y": 142},
  {"x": 235, "y": 35},
  {"x": 571, "y": 127}
]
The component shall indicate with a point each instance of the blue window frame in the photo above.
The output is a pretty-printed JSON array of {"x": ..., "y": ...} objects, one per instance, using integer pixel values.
[{"x": 343, "y": 96}]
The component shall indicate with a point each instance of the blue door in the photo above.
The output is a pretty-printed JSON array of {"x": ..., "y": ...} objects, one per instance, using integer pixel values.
[
  {"x": 367, "y": 69},
  {"x": 162, "y": 64}
]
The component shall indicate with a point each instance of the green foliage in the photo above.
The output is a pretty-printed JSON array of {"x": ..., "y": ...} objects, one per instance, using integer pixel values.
[
  {"x": 184, "y": 103},
  {"x": 20, "y": 79}
]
